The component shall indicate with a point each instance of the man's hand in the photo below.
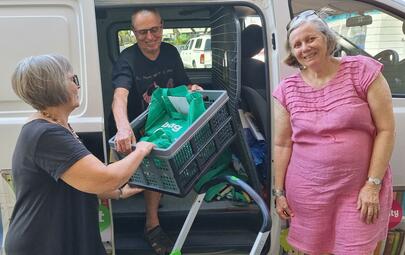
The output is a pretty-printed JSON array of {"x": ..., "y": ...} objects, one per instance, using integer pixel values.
[
  {"x": 194, "y": 87},
  {"x": 124, "y": 139}
]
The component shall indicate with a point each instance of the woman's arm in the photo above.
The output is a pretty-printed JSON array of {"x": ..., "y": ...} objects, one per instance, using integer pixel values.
[
  {"x": 90, "y": 175},
  {"x": 282, "y": 144},
  {"x": 282, "y": 154},
  {"x": 380, "y": 103}
]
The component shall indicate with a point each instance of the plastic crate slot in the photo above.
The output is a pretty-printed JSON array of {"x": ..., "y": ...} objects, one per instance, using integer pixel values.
[
  {"x": 201, "y": 137},
  {"x": 218, "y": 119},
  {"x": 168, "y": 182},
  {"x": 188, "y": 173},
  {"x": 152, "y": 179},
  {"x": 206, "y": 153},
  {"x": 145, "y": 163},
  {"x": 224, "y": 133},
  {"x": 181, "y": 157},
  {"x": 160, "y": 164},
  {"x": 138, "y": 177}
]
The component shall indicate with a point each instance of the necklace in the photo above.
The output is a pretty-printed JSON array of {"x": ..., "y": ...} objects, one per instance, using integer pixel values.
[{"x": 69, "y": 127}]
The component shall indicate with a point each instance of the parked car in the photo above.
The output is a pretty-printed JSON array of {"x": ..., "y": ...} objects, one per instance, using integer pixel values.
[{"x": 197, "y": 53}]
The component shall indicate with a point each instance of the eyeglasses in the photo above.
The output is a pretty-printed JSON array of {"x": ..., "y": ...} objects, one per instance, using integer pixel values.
[
  {"x": 300, "y": 17},
  {"x": 75, "y": 79},
  {"x": 155, "y": 31}
]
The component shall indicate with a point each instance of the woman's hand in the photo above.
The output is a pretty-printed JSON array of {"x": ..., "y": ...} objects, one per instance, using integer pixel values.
[
  {"x": 368, "y": 202},
  {"x": 144, "y": 148},
  {"x": 282, "y": 208},
  {"x": 128, "y": 191},
  {"x": 121, "y": 193}
]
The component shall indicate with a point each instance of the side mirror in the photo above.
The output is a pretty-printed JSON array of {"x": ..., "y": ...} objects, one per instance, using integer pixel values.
[{"x": 358, "y": 21}]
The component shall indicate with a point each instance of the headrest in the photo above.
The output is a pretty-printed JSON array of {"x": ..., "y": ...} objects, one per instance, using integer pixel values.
[{"x": 252, "y": 41}]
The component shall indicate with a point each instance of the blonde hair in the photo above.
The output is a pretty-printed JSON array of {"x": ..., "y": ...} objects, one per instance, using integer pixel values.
[{"x": 41, "y": 81}]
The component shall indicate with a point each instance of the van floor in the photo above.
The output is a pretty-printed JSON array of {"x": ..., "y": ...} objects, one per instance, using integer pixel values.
[{"x": 223, "y": 226}]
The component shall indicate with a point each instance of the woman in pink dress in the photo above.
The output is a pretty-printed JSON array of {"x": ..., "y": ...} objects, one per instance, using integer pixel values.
[{"x": 334, "y": 136}]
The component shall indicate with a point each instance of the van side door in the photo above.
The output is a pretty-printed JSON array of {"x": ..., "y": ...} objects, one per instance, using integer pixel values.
[{"x": 29, "y": 28}]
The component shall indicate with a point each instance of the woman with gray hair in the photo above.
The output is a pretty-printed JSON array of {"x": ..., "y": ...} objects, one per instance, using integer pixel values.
[
  {"x": 334, "y": 135},
  {"x": 57, "y": 180}
]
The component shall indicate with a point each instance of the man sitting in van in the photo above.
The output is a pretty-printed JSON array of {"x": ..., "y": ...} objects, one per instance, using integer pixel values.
[{"x": 142, "y": 67}]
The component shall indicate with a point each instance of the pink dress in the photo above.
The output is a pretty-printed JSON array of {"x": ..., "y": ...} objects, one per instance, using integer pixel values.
[{"x": 332, "y": 134}]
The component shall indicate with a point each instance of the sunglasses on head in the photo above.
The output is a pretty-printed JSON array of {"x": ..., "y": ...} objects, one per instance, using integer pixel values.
[{"x": 300, "y": 17}]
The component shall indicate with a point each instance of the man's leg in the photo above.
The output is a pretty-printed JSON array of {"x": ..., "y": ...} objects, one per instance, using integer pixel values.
[
  {"x": 152, "y": 200},
  {"x": 155, "y": 235}
]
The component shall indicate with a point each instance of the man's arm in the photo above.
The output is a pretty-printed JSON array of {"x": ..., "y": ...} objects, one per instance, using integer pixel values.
[{"x": 125, "y": 136}]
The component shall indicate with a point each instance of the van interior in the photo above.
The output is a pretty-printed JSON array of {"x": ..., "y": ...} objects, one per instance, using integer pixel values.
[{"x": 220, "y": 225}]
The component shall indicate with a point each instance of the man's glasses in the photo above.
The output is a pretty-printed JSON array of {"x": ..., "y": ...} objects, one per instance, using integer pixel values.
[
  {"x": 155, "y": 31},
  {"x": 75, "y": 79},
  {"x": 300, "y": 17}
]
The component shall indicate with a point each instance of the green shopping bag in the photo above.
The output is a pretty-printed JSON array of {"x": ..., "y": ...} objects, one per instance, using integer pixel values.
[
  {"x": 221, "y": 167},
  {"x": 171, "y": 112}
]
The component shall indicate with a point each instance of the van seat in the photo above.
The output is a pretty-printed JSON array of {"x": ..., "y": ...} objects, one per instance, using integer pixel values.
[{"x": 253, "y": 76}]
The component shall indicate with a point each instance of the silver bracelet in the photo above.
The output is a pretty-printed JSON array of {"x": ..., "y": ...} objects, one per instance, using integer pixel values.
[{"x": 278, "y": 193}]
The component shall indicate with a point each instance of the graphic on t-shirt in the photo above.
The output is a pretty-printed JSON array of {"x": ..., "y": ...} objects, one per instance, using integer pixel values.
[
  {"x": 170, "y": 83},
  {"x": 148, "y": 93}
]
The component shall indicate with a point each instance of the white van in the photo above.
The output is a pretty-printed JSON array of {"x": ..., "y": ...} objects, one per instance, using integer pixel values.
[
  {"x": 197, "y": 52},
  {"x": 92, "y": 33}
]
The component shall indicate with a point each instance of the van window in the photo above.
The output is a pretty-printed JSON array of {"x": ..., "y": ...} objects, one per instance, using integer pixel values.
[
  {"x": 198, "y": 43},
  {"x": 384, "y": 32},
  {"x": 193, "y": 44},
  {"x": 190, "y": 46},
  {"x": 372, "y": 32},
  {"x": 208, "y": 45}
]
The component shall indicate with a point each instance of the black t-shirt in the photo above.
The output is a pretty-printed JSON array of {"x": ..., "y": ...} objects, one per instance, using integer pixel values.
[
  {"x": 50, "y": 217},
  {"x": 141, "y": 76}
]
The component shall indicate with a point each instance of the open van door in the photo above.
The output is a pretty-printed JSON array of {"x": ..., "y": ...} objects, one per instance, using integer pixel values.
[
  {"x": 65, "y": 27},
  {"x": 371, "y": 28}
]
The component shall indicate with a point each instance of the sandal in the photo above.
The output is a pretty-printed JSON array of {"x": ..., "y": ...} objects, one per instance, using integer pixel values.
[{"x": 159, "y": 240}]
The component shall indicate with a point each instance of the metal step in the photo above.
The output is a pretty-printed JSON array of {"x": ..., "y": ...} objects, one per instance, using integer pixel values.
[{"x": 219, "y": 226}]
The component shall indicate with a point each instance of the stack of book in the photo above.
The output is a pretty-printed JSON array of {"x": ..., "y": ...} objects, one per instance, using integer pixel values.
[{"x": 394, "y": 245}]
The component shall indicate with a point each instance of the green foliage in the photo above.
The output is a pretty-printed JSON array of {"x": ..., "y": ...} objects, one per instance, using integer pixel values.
[
  {"x": 125, "y": 37},
  {"x": 182, "y": 39}
]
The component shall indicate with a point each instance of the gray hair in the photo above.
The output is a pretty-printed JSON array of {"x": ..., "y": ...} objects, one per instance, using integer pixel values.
[
  {"x": 144, "y": 9},
  {"x": 41, "y": 81},
  {"x": 320, "y": 25}
]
